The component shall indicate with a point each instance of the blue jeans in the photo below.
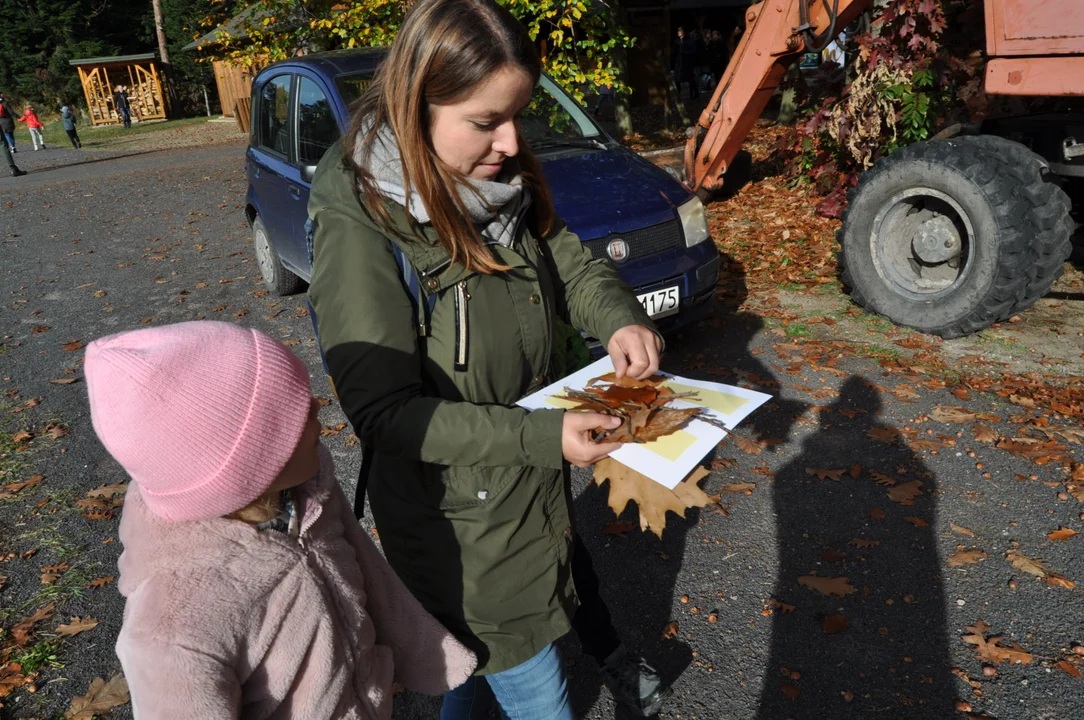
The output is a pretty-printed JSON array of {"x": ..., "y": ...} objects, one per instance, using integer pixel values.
[
  {"x": 534, "y": 690},
  {"x": 9, "y": 137}
]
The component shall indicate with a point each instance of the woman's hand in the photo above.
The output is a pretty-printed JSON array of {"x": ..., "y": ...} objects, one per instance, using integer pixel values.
[
  {"x": 634, "y": 350},
  {"x": 576, "y": 444}
]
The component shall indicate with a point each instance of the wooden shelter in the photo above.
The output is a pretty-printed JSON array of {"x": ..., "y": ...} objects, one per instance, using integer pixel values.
[
  {"x": 234, "y": 84},
  {"x": 138, "y": 73}
]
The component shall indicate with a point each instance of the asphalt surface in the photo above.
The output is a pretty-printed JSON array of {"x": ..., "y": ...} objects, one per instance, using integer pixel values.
[{"x": 115, "y": 243}]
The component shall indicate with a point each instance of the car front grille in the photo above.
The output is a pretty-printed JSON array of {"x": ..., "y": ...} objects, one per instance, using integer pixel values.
[{"x": 642, "y": 242}]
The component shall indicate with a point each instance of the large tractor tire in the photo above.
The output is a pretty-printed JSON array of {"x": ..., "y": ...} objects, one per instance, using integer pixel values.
[{"x": 950, "y": 236}]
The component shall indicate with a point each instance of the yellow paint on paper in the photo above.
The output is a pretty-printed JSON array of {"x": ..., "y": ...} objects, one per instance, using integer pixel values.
[
  {"x": 712, "y": 399},
  {"x": 671, "y": 446},
  {"x": 561, "y": 402}
]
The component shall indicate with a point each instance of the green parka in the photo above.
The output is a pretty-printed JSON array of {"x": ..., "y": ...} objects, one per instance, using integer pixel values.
[{"x": 466, "y": 489}]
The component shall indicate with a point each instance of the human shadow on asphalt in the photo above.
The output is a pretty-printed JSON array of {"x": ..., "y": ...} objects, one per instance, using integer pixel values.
[
  {"x": 639, "y": 572},
  {"x": 881, "y": 649}
]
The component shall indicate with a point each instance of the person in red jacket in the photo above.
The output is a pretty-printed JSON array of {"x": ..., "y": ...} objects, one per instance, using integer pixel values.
[{"x": 35, "y": 127}]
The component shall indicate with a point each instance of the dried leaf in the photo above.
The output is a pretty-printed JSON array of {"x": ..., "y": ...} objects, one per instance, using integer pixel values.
[
  {"x": 665, "y": 421},
  {"x": 984, "y": 433},
  {"x": 877, "y": 513},
  {"x": 747, "y": 446},
  {"x": 790, "y": 691},
  {"x": 834, "y": 624},
  {"x": 860, "y": 543},
  {"x": 72, "y": 345},
  {"x": 991, "y": 650},
  {"x": 1062, "y": 533},
  {"x": 12, "y": 678},
  {"x": 102, "y": 581},
  {"x": 917, "y": 521},
  {"x": 618, "y": 527},
  {"x": 55, "y": 431},
  {"x": 832, "y": 556},
  {"x": 738, "y": 487},
  {"x": 670, "y": 630},
  {"x": 100, "y": 699},
  {"x": 77, "y": 626},
  {"x": 108, "y": 491},
  {"x": 781, "y": 606},
  {"x": 652, "y": 499},
  {"x": 20, "y": 632},
  {"x": 1034, "y": 567},
  {"x": 21, "y": 437},
  {"x": 827, "y": 586},
  {"x": 65, "y": 381},
  {"x": 826, "y": 474},
  {"x": 965, "y": 557},
  {"x": 883, "y": 479},
  {"x": 1069, "y": 668},
  {"x": 947, "y": 414},
  {"x": 906, "y": 493},
  {"x": 884, "y": 434},
  {"x": 960, "y": 529}
]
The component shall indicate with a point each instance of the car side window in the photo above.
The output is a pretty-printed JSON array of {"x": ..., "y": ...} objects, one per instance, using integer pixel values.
[
  {"x": 274, "y": 115},
  {"x": 316, "y": 126}
]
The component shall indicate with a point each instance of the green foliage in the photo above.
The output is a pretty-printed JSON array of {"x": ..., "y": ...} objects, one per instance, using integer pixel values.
[{"x": 577, "y": 40}]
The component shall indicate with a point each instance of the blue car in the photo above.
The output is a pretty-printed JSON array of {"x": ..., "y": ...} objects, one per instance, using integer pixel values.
[{"x": 650, "y": 226}]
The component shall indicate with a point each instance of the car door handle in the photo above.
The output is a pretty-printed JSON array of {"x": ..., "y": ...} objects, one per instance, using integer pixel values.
[{"x": 294, "y": 190}]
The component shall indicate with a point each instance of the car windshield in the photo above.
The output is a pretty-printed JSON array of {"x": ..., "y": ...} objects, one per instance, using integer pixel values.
[{"x": 551, "y": 119}]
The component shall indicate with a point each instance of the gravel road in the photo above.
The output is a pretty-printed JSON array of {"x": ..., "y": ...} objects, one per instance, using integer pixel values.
[{"x": 94, "y": 243}]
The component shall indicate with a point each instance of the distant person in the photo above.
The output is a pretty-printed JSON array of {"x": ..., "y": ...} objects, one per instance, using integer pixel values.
[
  {"x": 68, "y": 118},
  {"x": 124, "y": 108},
  {"x": 8, "y": 116},
  {"x": 34, "y": 126},
  {"x": 718, "y": 56},
  {"x": 685, "y": 63},
  {"x": 251, "y": 591},
  {"x": 15, "y": 171}
]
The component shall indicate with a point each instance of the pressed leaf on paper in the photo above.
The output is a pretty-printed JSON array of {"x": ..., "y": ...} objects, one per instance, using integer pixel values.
[
  {"x": 991, "y": 649},
  {"x": 100, "y": 699},
  {"x": 827, "y": 586},
  {"x": 652, "y": 499}
]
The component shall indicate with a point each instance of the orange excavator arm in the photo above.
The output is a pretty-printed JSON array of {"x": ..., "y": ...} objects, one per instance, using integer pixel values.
[{"x": 777, "y": 31}]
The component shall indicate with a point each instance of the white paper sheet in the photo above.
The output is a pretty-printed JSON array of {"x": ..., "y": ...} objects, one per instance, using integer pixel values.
[{"x": 669, "y": 459}]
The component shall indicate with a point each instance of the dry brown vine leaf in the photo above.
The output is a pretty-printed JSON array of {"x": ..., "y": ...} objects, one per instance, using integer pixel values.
[
  {"x": 1062, "y": 533},
  {"x": 906, "y": 493},
  {"x": 652, "y": 499},
  {"x": 100, "y": 699},
  {"x": 965, "y": 557},
  {"x": 984, "y": 433},
  {"x": 1020, "y": 561},
  {"x": 827, "y": 586},
  {"x": 991, "y": 649}
]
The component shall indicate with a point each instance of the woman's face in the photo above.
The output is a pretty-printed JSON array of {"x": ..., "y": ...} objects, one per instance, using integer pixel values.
[{"x": 476, "y": 134}]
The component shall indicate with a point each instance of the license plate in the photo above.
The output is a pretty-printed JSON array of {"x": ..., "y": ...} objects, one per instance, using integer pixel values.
[{"x": 661, "y": 303}]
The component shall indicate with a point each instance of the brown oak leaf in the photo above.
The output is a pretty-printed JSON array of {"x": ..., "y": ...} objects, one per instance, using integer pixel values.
[
  {"x": 991, "y": 649},
  {"x": 827, "y": 586},
  {"x": 965, "y": 557},
  {"x": 100, "y": 699}
]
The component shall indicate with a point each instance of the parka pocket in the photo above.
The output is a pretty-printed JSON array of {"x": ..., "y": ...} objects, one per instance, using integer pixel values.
[{"x": 475, "y": 486}]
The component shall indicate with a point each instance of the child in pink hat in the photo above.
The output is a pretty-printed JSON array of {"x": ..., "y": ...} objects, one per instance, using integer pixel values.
[{"x": 251, "y": 590}]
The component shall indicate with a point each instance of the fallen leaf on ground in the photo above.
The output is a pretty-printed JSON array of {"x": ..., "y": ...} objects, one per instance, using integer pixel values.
[
  {"x": 965, "y": 557},
  {"x": 102, "y": 581},
  {"x": 747, "y": 446},
  {"x": 55, "y": 431},
  {"x": 947, "y": 414},
  {"x": 832, "y": 556},
  {"x": 991, "y": 649},
  {"x": 652, "y": 499},
  {"x": 781, "y": 606},
  {"x": 1062, "y": 533},
  {"x": 1070, "y": 668},
  {"x": 1020, "y": 561},
  {"x": 883, "y": 434},
  {"x": 72, "y": 345},
  {"x": 906, "y": 493},
  {"x": 34, "y": 481},
  {"x": 100, "y": 699},
  {"x": 962, "y": 530},
  {"x": 21, "y": 437},
  {"x": 12, "y": 678},
  {"x": 984, "y": 433},
  {"x": 20, "y": 632},
  {"x": 108, "y": 491},
  {"x": 618, "y": 527},
  {"x": 834, "y": 624},
  {"x": 883, "y": 479},
  {"x": 917, "y": 521},
  {"x": 860, "y": 543},
  {"x": 877, "y": 513},
  {"x": 827, "y": 586},
  {"x": 790, "y": 691},
  {"x": 65, "y": 381},
  {"x": 738, "y": 487},
  {"x": 826, "y": 474},
  {"x": 77, "y": 626},
  {"x": 670, "y": 630}
]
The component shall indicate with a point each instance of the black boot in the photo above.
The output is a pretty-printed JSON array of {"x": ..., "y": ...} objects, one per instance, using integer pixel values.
[{"x": 633, "y": 683}]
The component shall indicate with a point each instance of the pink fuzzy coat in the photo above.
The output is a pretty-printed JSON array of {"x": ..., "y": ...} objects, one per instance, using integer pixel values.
[{"x": 224, "y": 621}]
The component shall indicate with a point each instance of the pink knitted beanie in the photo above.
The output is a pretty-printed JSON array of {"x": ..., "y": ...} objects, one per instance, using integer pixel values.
[{"x": 202, "y": 415}]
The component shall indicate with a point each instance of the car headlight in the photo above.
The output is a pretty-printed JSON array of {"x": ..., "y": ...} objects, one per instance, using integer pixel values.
[{"x": 694, "y": 222}]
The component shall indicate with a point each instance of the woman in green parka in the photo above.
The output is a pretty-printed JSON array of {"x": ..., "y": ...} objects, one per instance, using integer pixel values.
[{"x": 441, "y": 275}]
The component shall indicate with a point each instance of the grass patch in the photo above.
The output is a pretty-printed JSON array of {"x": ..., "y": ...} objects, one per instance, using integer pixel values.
[
  {"x": 98, "y": 137},
  {"x": 798, "y": 331},
  {"x": 71, "y": 584},
  {"x": 10, "y": 462},
  {"x": 40, "y": 655}
]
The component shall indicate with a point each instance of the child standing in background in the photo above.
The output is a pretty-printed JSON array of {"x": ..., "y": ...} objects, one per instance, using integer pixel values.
[
  {"x": 296, "y": 614},
  {"x": 35, "y": 127},
  {"x": 68, "y": 118}
]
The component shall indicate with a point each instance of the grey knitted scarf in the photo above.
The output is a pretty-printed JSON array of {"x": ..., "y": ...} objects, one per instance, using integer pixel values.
[{"x": 495, "y": 206}]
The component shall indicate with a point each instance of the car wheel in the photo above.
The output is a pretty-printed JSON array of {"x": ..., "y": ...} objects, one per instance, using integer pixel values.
[
  {"x": 950, "y": 236},
  {"x": 276, "y": 278}
]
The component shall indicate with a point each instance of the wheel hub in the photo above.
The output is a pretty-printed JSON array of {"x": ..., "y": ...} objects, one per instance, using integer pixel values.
[{"x": 936, "y": 241}]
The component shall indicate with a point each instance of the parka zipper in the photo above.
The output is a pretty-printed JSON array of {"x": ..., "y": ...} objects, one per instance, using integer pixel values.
[{"x": 462, "y": 326}]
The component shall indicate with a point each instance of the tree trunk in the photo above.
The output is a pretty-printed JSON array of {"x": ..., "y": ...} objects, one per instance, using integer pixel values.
[
  {"x": 172, "y": 104},
  {"x": 622, "y": 115}
]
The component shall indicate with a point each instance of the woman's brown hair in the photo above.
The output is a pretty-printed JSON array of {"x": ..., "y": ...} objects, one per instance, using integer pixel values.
[{"x": 444, "y": 50}]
